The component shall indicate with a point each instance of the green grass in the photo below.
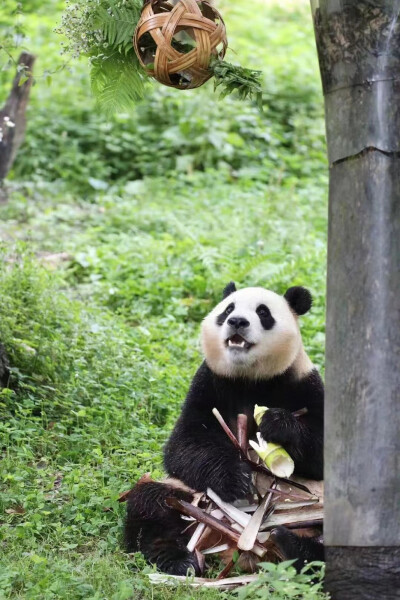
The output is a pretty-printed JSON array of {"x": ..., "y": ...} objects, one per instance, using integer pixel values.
[{"x": 154, "y": 211}]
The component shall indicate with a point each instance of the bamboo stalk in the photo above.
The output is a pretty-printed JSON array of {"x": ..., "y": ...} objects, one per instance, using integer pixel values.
[
  {"x": 250, "y": 532},
  {"x": 201, "y": 516},
  {"x": 204, "y": 536},
  {"x": 294, "y": 497},
  {"x": 200, "y": 559},
  {"x": 195, "y": 537},
  {"x": 223, "y": 584},
  {"x": 228, "y": 432},
  {"x": 225, "y": 571},
  {"x": 231, "y": 511},
  {"x": 242, "y": 432},
  {"x": 294, "y": 517},
  {"x": 285, "y": 506},
  {"x": 215, "y": 549},
  {"x": 196, "y": 498}
]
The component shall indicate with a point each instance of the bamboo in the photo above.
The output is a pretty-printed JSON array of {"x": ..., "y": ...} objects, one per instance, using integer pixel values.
[
  {"x": 223, "y": 584},
  {"x": 254, "y": 466},
  {"x": 226, "y": 570},
  {"x": 293, "y": 516},
  {"x": 250, "y": 532},
  {"x": 198, "y": 514},
  {"x": 242, "y": 432},
  {"x": 231, "y": 511},
  {"x": 195, "y": 537}
]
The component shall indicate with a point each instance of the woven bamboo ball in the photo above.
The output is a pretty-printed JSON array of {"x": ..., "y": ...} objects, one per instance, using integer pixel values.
[{"x": 175, "y": 41}]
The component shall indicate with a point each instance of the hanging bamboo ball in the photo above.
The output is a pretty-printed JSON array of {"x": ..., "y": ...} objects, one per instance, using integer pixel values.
[{"x": 175, "y": 41}]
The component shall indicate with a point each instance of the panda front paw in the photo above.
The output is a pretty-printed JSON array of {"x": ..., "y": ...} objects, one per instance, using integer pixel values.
[
  {"x": 175, "y": 559},
  {"x": 279, "y": 426},
  {"x": 232, "y": 482}
]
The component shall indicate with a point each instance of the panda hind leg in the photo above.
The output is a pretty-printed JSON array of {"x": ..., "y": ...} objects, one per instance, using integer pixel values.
[
  {"x": 156, "y": 530},
  {"x": 302, "y": 550}
]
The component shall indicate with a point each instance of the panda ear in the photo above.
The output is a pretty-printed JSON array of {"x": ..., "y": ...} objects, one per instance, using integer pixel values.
[
  {"x": 299, "y": 299},
  {"x": 228, "y": 290}
]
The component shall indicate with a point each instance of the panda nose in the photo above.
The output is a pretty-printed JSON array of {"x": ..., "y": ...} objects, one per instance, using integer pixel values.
[{"x": 238, "y": 322}]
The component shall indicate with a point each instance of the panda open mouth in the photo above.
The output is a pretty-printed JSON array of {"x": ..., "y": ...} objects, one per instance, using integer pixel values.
[{"x": 237, "y": 342}]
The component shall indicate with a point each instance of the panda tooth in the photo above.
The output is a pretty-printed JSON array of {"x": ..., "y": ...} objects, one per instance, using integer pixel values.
[{"x": 242, "y": 344}]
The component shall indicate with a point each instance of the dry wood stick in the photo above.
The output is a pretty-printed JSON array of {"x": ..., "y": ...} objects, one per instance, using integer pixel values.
[{"x": 193, "y": 511}]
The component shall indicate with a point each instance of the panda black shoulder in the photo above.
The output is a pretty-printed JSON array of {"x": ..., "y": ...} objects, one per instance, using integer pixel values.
[
  {"x": 202, "y": 384},
  {"x": 200, "y": 399},
  {"x": 308, "y": 390}
]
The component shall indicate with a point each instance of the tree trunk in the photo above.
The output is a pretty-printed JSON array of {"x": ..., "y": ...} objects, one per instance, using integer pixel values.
[
  {"x": 12, "y": 115},
  {"x": 4, "y": 367},
  {"x": 358, "y": 44}
]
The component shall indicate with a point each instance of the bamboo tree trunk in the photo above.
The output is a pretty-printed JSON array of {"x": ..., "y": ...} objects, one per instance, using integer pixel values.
[{"x": 358, "y": 44}]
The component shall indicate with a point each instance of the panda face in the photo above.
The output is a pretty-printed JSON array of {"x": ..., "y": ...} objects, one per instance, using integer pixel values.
[{"x": 252, "y": 333}]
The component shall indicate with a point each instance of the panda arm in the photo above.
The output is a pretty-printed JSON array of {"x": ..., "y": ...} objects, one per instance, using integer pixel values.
[
  {"x": 302, "y": 437},
  {"x": 198, "y": 451}
]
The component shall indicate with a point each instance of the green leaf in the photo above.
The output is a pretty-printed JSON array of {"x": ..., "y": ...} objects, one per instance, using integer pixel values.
[
  {"x": 117, "y": 82},
  {"x": 22, "y": 80},
  {"x": 233, "y": 78}
]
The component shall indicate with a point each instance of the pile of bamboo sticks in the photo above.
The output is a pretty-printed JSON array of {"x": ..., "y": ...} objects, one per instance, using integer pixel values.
[{"x": 241, "y": 533}]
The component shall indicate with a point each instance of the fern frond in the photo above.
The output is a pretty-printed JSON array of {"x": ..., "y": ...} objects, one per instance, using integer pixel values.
[
  {"x": 118, "y": 23},
  {"x": 117, "y": 81}
]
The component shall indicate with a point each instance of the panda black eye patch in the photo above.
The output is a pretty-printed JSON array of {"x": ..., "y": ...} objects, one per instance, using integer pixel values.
[
  {"x": 223, "y": 316},
  {"x": 264, "y": 314}
]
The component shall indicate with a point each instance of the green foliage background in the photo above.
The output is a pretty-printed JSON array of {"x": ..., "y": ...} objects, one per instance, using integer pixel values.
[{"x": 118, "y": 238}]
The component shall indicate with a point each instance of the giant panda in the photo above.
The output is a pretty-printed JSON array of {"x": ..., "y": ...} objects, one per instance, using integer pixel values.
[{"x": 253, "y": 354}]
